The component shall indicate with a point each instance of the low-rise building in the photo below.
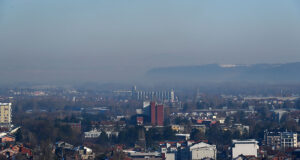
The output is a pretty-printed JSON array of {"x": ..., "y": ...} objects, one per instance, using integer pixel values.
[
  {"x": 243, "y": 129},
  {"x": 64, "y": 145},
  {"x": 244, "y": 147},
  {"x": 139, "y": 121},
  {"x": 183, "y": 136},
  {"x": 94, "y": 133},
  {"x": 177, "y": 128},
  {"x": 7, "y": 138},
  {"x": 188, "y": 150},
  {"x": 145, "y": 155},
  {"x": 202, "y": 150},
  {"x": 169, "y": 156}
]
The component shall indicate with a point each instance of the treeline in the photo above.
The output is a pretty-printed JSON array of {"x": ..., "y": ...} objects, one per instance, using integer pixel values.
[{"x": 131, "y": 135}]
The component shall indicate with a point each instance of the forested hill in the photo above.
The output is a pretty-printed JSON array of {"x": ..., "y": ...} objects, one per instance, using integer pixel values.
[{"x": 274, "y": 73}]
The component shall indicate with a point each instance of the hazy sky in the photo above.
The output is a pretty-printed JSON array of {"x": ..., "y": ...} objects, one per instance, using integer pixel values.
[{"x": 104, "y": 40}]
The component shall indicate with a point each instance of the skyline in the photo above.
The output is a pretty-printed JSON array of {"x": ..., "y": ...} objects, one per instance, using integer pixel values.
[{"x": 53, "y": 41}]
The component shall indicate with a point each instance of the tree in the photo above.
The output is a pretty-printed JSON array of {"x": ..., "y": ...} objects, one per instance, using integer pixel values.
[
  {"x": 180, "y": 120},
  {"x": 2, "y": 157},
  {"x": 227, "y": 120},
  {"x": 213, "y": 134},
  {"x": 185, "y": 107},
  {"x": 245, "y": 105},
  {"x": 227, "y": 137},
  {"x": 200, "y": 105},
  {"x": 150, "y": 136},
  {"x": 297, "y": 103},
  {"x": 19, "y": 135},
  {"x": 128, "y": 136},
  {"x": 197, "y": 135},
  {"x": 168, "y": 133},
  {"x": 103, "y": 138},
  {"x": 236, "y": 134}
]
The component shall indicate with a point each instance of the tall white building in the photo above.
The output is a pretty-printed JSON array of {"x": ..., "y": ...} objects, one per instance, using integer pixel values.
[
  {"x": 244, "y": 147},
  {"x": 5, "y": 113},
  {"x": 172, "y": 97}
]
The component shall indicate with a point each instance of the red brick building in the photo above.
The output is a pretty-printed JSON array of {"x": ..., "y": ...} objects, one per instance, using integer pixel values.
[
  {"x": 153, "y": 113},
  {"x": 160, "y": 115},
  {"x": 157, "y": 114}
]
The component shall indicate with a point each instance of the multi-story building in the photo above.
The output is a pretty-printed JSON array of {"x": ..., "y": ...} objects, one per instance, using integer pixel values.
[
  {"x": 160, "y": 115},
  {"x": 163, "y": 96},
  {"x": 288, "y": 140},
  {"x": 278, "y": 140},
  {"x": 5, "y": 113},
  {"x": 272, "y": 139},
  {"x": 153, "y": 113},
  {"x": 244, "y": 147},
  {"x": 157, "y": 114}
]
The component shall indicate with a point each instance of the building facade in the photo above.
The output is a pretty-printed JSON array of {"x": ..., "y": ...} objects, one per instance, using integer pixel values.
[
  {"x": 153, "y": 113},
  {"x": 288, "y": 140},
  {"x": 244, "y": 147},
  {"x": 160, "y": 115},
  {"x": 162, "y": 96},
  {"x": 278, "y": 140},
  {"x": 157, "y": 114},
  {"x": 5, "y": 113},
  {"x": 94, "y": 133},
  {"x": 188, "y": 150},
  {"x": 203, "y": 151}
]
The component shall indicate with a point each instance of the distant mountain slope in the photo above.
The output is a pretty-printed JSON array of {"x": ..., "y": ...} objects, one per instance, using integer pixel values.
[{"x": 282, "y": 73}]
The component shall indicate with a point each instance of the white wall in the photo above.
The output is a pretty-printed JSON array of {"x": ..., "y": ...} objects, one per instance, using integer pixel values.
[
  {"x": 244, "y": 149},
  {"x": 203, "y": 153},
  {"x": 170, "y": 156}
]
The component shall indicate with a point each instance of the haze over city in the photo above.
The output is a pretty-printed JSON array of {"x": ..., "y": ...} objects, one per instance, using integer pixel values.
[
  {"x": 150, "y": 79},
  {"x": 119, "y": 41}
]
